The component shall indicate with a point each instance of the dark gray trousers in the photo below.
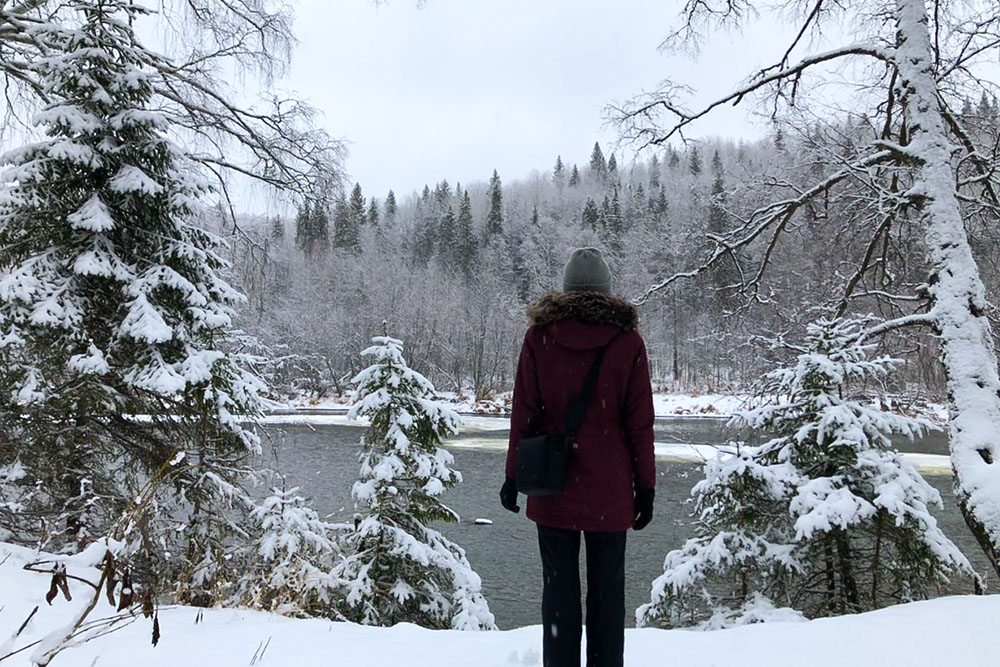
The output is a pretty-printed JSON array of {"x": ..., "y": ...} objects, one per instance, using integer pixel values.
[{"x": 561, "y": 615}]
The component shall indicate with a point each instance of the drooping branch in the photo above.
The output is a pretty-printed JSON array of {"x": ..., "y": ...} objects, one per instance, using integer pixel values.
[{"x": 278, "y": 147}]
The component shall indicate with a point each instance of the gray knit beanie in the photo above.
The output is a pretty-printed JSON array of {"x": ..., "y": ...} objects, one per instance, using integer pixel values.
[{"x": 586, "y": 270}]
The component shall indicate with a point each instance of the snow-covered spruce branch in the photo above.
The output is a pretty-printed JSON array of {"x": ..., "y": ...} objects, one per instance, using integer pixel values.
[
  {"x": 638, "y": 121},
  {"x": 776, "y": 214}
]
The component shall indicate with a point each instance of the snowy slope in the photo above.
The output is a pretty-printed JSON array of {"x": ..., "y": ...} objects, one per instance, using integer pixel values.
[{"x": 948, "y": 632}]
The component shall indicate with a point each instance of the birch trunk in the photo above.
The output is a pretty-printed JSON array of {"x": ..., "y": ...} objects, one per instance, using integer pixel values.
[{"x": 969, "y": 356}]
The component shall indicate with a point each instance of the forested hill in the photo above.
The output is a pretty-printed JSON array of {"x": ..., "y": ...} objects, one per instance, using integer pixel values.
[{"x": 451, "y": 268}]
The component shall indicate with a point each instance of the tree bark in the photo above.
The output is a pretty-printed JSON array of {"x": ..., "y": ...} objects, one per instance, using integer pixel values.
[{"x": 957, "y": 291}]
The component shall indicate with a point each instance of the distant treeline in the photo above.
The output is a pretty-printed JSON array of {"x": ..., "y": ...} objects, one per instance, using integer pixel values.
[{"x": 452, "y": 268}]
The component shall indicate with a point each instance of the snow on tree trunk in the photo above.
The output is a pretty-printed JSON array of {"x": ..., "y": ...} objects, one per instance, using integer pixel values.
[{"x": 970, "y": 360}]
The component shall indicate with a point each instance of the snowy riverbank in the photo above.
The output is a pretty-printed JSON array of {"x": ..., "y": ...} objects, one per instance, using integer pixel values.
[
  {"x": 952, "y": 632},
  {"x": 664, "y": 405}
]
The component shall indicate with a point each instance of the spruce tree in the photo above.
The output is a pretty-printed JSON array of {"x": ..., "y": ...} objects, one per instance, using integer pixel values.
[
  {"x": 590, "y": 216},
  {"x": 391, "y": 209},
  {"x": 112, "y": 305},
  {"x": 373, "y": 214},
  {"x": 605, "y": 215},
  {"x": 494, "y": 219},
  {"x": 448, "y": 251},
  {"x": 398, "y": 569},
  {"x": 694, "y": 162},
  {"x": 779, "y": 139},
  {"x": 319, "y": 226},
  {"x": 654, "y": 174},
  {"x": 303, "y": 227},
  {"x": 559, "y": 172},
  {"x": 614, "y": 223},
  {"x": 613, "y": 178},
  {"x": 574, "y": 177},
  {"x": 356, "y": 210},
  {"x": 442, "y": 196},
  {"x": 825, "y": 517},
  {"x": 425, "y": 233},
  {"x": 346, "y": 234},
  {"x": 466, "y": 237},
  {"x": 277, "y": 229},
  {"x": 598, "y": 166},
  {"x": 675, "y": 160}
]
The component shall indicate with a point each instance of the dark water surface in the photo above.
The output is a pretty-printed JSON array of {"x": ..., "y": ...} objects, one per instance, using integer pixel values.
[{"x": 322, "y": 460}]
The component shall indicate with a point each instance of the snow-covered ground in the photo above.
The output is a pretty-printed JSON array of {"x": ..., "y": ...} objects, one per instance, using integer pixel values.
[{"x": 947, "y": 632}]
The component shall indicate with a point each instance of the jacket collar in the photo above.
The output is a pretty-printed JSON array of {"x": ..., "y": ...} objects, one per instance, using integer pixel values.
[{"x": 586, "y": 307}]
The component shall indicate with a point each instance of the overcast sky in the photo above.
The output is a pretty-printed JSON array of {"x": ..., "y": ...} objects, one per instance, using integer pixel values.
[{"x": 459, "y": 87}]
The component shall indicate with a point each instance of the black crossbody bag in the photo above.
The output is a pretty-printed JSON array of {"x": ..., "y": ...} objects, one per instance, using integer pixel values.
[{"x": 542, "y": 460}]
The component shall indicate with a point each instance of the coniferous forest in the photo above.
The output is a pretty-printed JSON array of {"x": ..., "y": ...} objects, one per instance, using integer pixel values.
[{"x": 455, "y": 265}]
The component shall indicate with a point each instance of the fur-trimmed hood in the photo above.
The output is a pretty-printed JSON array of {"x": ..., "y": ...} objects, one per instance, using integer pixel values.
[{"x": 585, "y": 307}]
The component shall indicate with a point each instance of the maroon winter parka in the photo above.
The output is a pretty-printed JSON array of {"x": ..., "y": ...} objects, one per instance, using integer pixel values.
[{"x": 613, "y": 454}]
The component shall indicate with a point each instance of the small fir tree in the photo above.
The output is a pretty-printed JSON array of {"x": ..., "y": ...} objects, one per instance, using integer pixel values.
[
  {"x": 295, "y": 551},
  {"x": 825, "y": 517},
  {"x": 399, "y": 569},
  {"x": 725, "y": 278}
]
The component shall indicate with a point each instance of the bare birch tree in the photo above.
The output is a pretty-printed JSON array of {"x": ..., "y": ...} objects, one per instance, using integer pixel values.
[
  {"x": 273, "y": 143},
  {"x": 924, "y": 166}
]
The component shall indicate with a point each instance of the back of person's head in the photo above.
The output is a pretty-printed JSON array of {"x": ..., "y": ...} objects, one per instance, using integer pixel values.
[{"x": 587, "y": 271}]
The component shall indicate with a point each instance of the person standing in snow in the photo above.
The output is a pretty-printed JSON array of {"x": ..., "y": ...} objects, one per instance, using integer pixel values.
[{"x": 611, "y": 472}]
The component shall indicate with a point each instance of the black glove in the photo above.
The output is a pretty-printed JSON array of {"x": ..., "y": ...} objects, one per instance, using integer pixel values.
[
  {"x": 643, "y": 507},
  {"x": 508, "y": 495}
]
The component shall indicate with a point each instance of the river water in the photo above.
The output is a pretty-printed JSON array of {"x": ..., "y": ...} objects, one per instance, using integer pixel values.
[{"x": 322, "y": 461}]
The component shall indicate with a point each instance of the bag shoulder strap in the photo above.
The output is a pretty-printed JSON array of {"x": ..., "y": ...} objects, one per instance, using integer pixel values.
[{"x": 578, "y": 408}]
